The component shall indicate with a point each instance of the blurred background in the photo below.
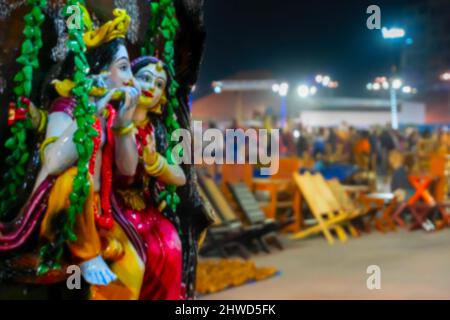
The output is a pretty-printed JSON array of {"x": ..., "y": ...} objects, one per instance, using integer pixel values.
[{"x": 364, "y": 149}]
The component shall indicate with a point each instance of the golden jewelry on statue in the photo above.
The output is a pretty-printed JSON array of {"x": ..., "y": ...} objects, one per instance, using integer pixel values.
[
  {"x": 122, "y": 131},
  {"x": 113, "y": 249},
  {"x": 162, "y": 206},
  {"x": 156, "y": 168},
  {"x": 111, "y": 30},
  {"x": 105, "y": 113},
  {"x": 158, "y": 108},
  {"x": 42, "y": 121},
  {"x": 64, "y": 87},
  {"x": 45, "y": 144},
  {"x": 143, "y": 123},
  {"x": 159, "y": 67}
]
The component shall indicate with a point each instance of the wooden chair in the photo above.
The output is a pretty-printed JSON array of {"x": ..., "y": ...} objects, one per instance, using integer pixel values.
[
  {"x": 224, "y": 235},
  {"x": 437, "y": 170},
  {"x": 281, "y": 189},
  {"x": 366, "y": 204},
  {"x": 235, "y": 173},
  {"x": 384, "y": 203},
  {"x": 438, "y": 163},
  {"x": 420, "y": 205},
  {"x": 230, "y": 232},
  {"x": 343, "y": 197},
  {"x": 334, "y": 205},
  {"x": 254, "y": 215},
  {"x": 232, "y": 173},
  {"x": 326, "y": 218}
]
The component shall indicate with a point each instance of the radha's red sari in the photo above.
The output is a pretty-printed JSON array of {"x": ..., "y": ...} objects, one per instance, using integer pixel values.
[
  {"x": 162, "y": 244},
  {"x": 162, "y": 277}
]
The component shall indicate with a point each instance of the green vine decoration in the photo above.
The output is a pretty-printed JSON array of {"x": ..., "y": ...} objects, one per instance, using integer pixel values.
[
  {"x": 163, "y": 28},
  {"x": 83, "y": 138},
  {"x": 16, "y": 144}
]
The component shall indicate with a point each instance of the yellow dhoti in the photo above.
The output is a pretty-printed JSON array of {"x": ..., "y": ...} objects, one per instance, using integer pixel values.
[{"x": 90, "y": 243}]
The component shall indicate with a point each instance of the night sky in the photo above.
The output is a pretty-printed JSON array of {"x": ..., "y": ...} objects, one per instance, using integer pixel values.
[{"x": 296, "y": 38}]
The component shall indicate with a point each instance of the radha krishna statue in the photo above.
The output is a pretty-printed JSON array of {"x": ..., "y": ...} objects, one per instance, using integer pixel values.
[{"x": 104, "y": 195}]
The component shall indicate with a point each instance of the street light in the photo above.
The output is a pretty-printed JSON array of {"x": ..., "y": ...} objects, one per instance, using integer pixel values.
[
  {"x": 326, "y": 81},
  {"x": 303, "y": 91},
  {"x": 445, "y": 76},
  {"x": 282, "y": 89},
  {"x": 276, "y": 88},
  {"x": 407, "y": 89},
  {"x": 241, "y": 86},
  {"x": 397, "y": 84},
  {"x": 333, "y": 85},
  {"x": 393, "y": 85},
  {"x": 393, "y": 33}
]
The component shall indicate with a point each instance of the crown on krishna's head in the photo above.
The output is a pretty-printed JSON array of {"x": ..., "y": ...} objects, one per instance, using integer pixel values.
[{"x": 113, "y": 29}]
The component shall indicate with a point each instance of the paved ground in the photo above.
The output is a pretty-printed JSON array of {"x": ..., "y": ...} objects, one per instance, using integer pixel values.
[{"x": 414, "y": 265}]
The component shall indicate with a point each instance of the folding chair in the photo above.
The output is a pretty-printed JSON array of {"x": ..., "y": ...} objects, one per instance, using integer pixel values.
[
  {"x": 280, "y": 187},
  {"x": 223, "y": 236},
  {"x": 230, "y": 232},
  {"x": 420, "y": 205},
  {"x": 334, "y": 205},
  {"x": 326, "y": 219},
  {"x": 386, "y": 203},
  {"x": 254, "y": 215}
]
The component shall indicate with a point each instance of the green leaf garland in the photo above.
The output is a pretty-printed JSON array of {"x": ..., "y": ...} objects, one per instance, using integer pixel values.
[
  {"x": 16, "y": 144},
  {"x": 163, "y": 26},
  {"x": 85, "y": 117}
]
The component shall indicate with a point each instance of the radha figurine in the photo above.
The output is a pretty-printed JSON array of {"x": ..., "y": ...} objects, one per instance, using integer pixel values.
[{"x": 138, "y": 195}]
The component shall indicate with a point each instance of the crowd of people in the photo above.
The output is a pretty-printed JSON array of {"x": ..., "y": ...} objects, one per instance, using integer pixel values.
[
  {"x": 367, "y": 148},
  {"x": 378, "y": 150}
]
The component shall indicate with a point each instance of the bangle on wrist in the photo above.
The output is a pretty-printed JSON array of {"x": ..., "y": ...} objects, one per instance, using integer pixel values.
[
  {"x": 156, "y": 168},
  {"x": 42, "y": 120},
  {"x": 45, "y": 144},
  {"x": 122, "y": 131}
]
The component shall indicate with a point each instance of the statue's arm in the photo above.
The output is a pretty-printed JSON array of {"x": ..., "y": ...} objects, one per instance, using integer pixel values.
[
  {"x": 126, "y": 153},
  {"x": 60, "y": 154},
  {"x": 157, "y": 166},
  {"x": 173, "y": 175}
]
